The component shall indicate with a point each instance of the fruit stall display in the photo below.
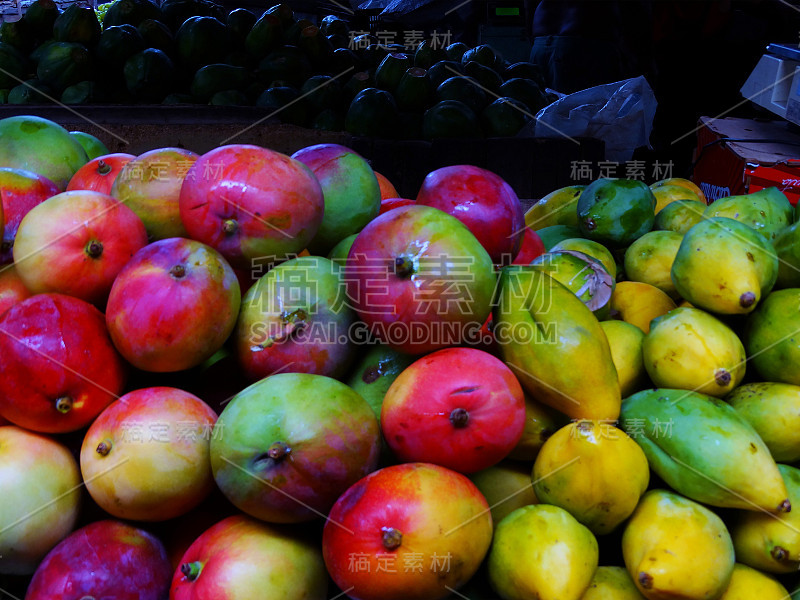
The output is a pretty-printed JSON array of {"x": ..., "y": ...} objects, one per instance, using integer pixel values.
[
  {"x": 318, "y": 75},
  {"x": 242, "y": 374}
]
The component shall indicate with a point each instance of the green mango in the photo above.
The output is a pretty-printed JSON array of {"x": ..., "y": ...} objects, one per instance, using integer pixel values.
[
  {"x": 591, "y": 248},
  {"x": 769, "y": 543},
  {"x": 767, "y": 211},
  {"x": 616, "y": 211},
  {"x": 773, "y": 409},
  {"x": 375, "y": 372},
  {"x": 679, "y": 216},
  {"x": 555, "y": 345},
  {"x": 787, "y": 246},
  {"x": 724, "y": 266},
  {"x": 553, "y": 234},
  {"x": 772, "y": 337},
  {"x": 585, "y": 276},
  {"x": 705, "y": 450}
]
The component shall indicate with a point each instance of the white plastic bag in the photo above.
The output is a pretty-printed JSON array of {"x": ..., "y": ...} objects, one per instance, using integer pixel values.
[{"x": 621, "y": 114}]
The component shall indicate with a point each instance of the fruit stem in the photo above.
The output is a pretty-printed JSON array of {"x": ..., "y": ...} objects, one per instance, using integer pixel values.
[
  {"x": 403, "y": 266},
  {"x": 391, "y": 538},
  {"x": 191, "y": 570},
  {"x": 747, "y": 299},
  {"x": 64, "y": 404},
  {"x": 104, "y": 447},
  {"x": 459, "y": 418},
  {"x": 229, "y": 226},
  {"x": 94, "y": 249},
  {"x": 278, "y": 451},
  {"x": 785, "y": 506},
  {"x": 103, "y": 168},
  {"x": 178, "y": 271}
]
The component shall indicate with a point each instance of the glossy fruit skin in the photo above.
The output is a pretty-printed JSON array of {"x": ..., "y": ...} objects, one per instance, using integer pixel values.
[
  {"x": 105, "y": 559},
  {"x": 12, "y": 289},
  {"x": 244, "y": 559},
  {"x": 251, "y": 204},
  {"x": 76, "y": 243},
  {"x": 146, "y": 457},
  {"x": 99, "y": 173},
  {"x": 192, "y": 301},
  {"x": 421, "y": 502},
  {"x": 460, "y": 408},
  {"x": 60, "y": 368},
  {"x": 388, "y": 204},
  {"x": 36, "y": 472},
  {"x": 532, "y": 247},
  {"x": 481, "y": 200},
  {"x": 20, "y": 191}
]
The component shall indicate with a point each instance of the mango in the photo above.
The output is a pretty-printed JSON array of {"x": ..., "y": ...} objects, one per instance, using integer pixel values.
[
  {"x": 541, "y": 551},
  {"x": 540, "y": 423},
  {"x": 772, "y": 337},
  {"x": 552, "y": 235},
  {"x": 689, "y": 349},
  {"x": 668, "y": 193},
  {"x": 585, "y": 276},
  {"x": 767, "y": 211},
  {"x": 773, "y": 409},
  {"x": 556, "y": 208},
  {"x": 594, "y": 471},
  {"x": 702, "y": 448},
  {"x": 677, "y": 549},
  {"x": 612, "y": 583},
  {"x": 554, "y": 345},
  {"x": 787, "y": 247},
  {"x": 748, "y": 583},
  {"x": 685, "y": 183},
  {"x": 649, "y": 260},
  {"x": 626, "y": 342},
  {"x": 724, "y": 266},
  {"x": 680, "y": 216},
  {"x": 768, "y": 542},
  {"x": 639, "y": 303},
  {"x": 616, "y": 211},
  {"x": 506, "y": 486},
  {"x": 591, "y": 248}
]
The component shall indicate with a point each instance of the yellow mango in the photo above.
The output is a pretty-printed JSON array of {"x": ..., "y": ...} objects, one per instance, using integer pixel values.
[
  {"x": 559, "y": 207},
  {"x": 625, "y": 341},
  {"x": 612, "y": 583},
  {"x": 540, "y": 423},
  {"x": 506, "y": 487},
  {"x": 689, "y": 185},
  {"x": 749, "y": 584},
  {"x": 677, "y": 549},
  {"x": 540, "y": 551},
  {"x": 591, "y": 248},
  {"x": 667, "y": 193},
  {"x": 639, "y": 303},
  {"x": 594, "y": 471},
  {"x": 649, "y": 260}
]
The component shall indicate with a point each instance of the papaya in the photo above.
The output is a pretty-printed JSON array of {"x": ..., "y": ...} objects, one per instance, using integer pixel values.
[
  {"x": 541, "y": 422},
  {"x": 328, "y": 119},
  {"x": 594, "y": 471},
  {"x": 649, "y": 260},
  {"x": 559, "y": 565},
  {"x": 321, "y": 92},
  {"x": 41, "y": 15},
  {"x": 679, "y": 216},
  {"x": 333, "y": 25},
  {"x": 284, "y": 13},
  {"x": 157, "y": 35},
  {"x": 149, "y": 75},
  {"x": 584, "y": 275},
  {"x": 526, "y": 70},
  {"x": 482, "y": 54},
  {"x": 358, "y": 82},
  {"x": 391, "y": 70},
  {"x": 771, "y": 337},
  {"x": 32, "y": 91},
  {"x": 625, "y": 341},
  {"x": 265, "y": 36},
  {"x": 413, "y": 92},
  {"x": 372, "y": 112},
  {"x": 549, "y": 337},
  {"x": 374, "y": 54},
  {"x": 559, "y": 207},
  {"x": 487, "y": 78},
  {"x": 685, "y": 183},
  {"x": 229, "y": 98},
  {"x": 64, "y": 64},
  {"x": 504, "y": 117},
  {"x": 201, "y": 41},
  {"x": 676, "y": 548},
  {"x": 131, "y": 12},
  {"x": 117, "y": 44},
  {"x": 689, "y": 349},
  {"x": 442, "y": 70},
  {"x": 526, "y": 91},
  {"x": 612, "y": 583},
  {"x": 4, "y": 96},
  {"x": 767, "y": 211},
  {"x": 83, "y": 92},
  {"x": 344, "y": 60},
  {"x": 291, "y": 34},
  {"x": 175, "y": 12},
  {"x": 506, "y": 487},
  {"x": 41, "y": 50},
  {"x": 615, "y": 211},
  {"x": 594, "y": 249},
  {"x": 13, "y": 66},
  {"x": 667, "y": 194},
  {"x": 178, "y": 98},
  {"x": 773, "y": 409},
  {"x": 462, "y": 89},
  {"x": 426, "y": 55},
  {"x": 554, "y": 234},
  {"x": 450, "y": 119},
  {"x": 455, "y": 51},
  {"x": 215, "y": 78},
  {"x": 639, "y": 303},
  {"x": 787, "y": 247},
  {"x": 18, "y": 34},
  {"x": 285, "y": 103},
  {"x": 287, "y": 64},
  {"x": 240, "y": 22},
  {"x": 316, "y": 47},
  {"x": 747, "y": 583},
  {"x": 724, "y": 266},
  {"x": 766, "y": 542},
  {"x": 704, "y": 449},
  {"x": 77, "y": 24}
]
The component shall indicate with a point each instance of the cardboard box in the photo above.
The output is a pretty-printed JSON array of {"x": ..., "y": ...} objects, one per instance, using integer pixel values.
[{"x": 724, "y": 167}]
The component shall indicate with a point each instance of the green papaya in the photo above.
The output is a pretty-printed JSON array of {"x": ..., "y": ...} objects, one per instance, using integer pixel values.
[
  {"x": 787, "y": 247},
  {"x": 131, "y": 12},
  {"x": 768, "y": 542},
  {"x": 291, "y": 34},
  {"x": 201, "y": 41},
  {"x": 285, "y": 64},
  {"x": 215, "y": 78},
  {"x": 4, "y": 96},
  {"x": 328, "y": 120},
  {"x": 65, "y": 64},
  {"x": 13, "y": 66},
  {"x": 455, "y": 51},
  {"x": 175, "y": 12},
  {"x": 83, "y": 92},
  {"x": 442, "y": 70},
  {"x": 504, "y": 117},
  {"x": 321, "y": 92},
  {"x": 724, "y": 266},
  {"x": 526, "y": 70},
  {"x": 284, "y": 13},
  {"x": 553, "y": 234},
  {"x": 414, "y": 92},
  {"x": 486, "y": 77},
  {"x": 374, "y": 54},
  {"x": 450, "y": 119},
  {"x": 372, "y": 112},
  {"x": 240, "y": 22},
  {"x": 555, "y": 345},
  {"x": 426, "y": 55},
  {"x": 157, "y": 35},
  {"x": 526, "y": 91},
  {"x": 229, "y": 98},
  {"x": 316, "y": 47},
  {"x": 679, "y": 216},
  {"x": 179, "y": 99},
  {"x": 391, "y": 71},
  {"x": 41, "y": 15},
  {"x": 767, "y": 211},
  {"x": 77, "y": 24},
  {"x": 702, "y": 448},
  {"x": 284, "y": 103},
  {"x": 358, "y": 82},
  {"x": 585, "y": 276},
  {"x": 771, "y": 337},
  {"x": 462, "y": 89},
  {"x": 483, "y": 54},
  {"x": 149, "y": 75},
  {"x": 18, "y": 34},
  {"x": 333, "y": 25},
  {"x": 773, "y": 409},
  {"x": 344, "y": 60},
  {"x": 616, "y": 211},
  {"x": 41, "y": 50},
  {"x": 31, "y": 91},
  {"x": 265, "y": 36},
  {"x": 117, "y": 44}
]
